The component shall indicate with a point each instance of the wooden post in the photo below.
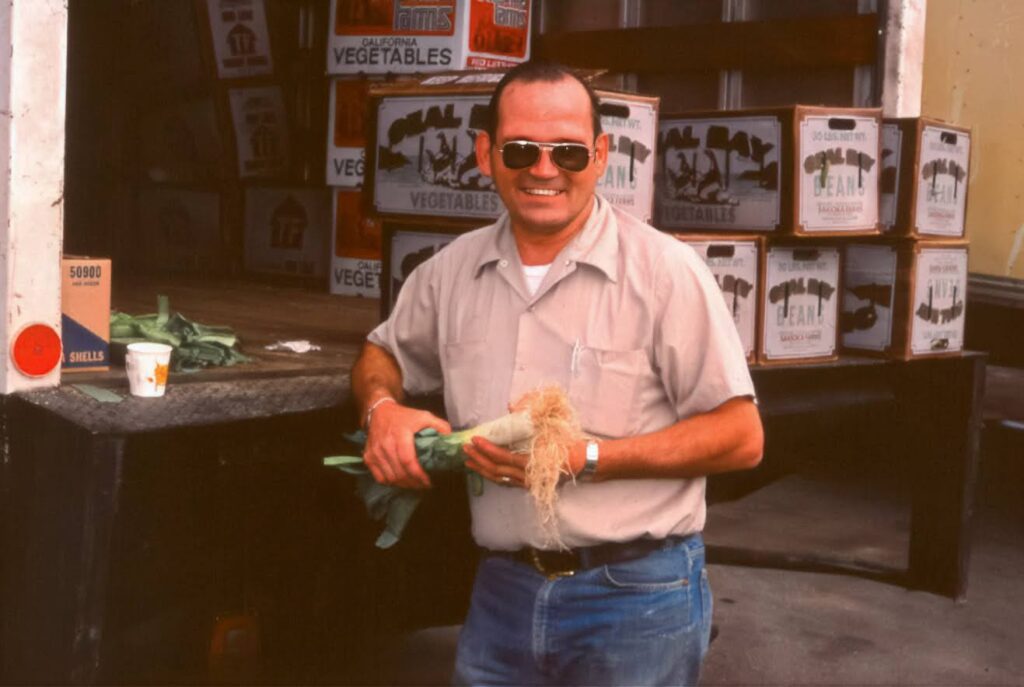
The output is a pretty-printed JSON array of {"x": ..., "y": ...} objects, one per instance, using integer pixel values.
[{"x": 33, "y": 58}]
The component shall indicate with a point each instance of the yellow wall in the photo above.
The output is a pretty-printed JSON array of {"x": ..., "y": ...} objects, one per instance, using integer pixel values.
[{"x": 974, "y": 76}]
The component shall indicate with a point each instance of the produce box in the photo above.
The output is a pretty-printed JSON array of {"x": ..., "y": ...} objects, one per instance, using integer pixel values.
[
  {"x": 406, "y": 246},
  {"x": 932, "y": 161},
  {"x": 287, "y": 231},
  {"x": 85, "y": 313},
  {"x": 418, "y": 36},
  {"x": 180, "y": 230},
  {"x": 734, "y": 260},
  {"x": 181, "y": 143},
  {"x": 261, "y": 131},
  {"x": 904, "y": 299},
  {"x": 631, "y": 122},
  {"x": 802, "y": 170},
  {"x": 346, "y": 132},
  {"x": 355, "y": 247},
  {"x": 424, "y": 163},
  {"x": 241, "y": 42},
  {"x": 799, "y": 302}
]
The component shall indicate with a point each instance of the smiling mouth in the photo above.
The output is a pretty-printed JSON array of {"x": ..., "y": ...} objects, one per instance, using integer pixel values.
[{"x": 542, "y": 191}]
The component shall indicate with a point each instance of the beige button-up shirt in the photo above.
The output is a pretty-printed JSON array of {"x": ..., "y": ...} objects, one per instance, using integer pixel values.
[{"x": 629, "y": 321}]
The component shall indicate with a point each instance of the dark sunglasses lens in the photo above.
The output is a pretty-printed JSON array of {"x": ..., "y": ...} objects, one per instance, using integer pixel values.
[
  {"x": 519, "y": 155},
  {"x": 571, "y": 157}
]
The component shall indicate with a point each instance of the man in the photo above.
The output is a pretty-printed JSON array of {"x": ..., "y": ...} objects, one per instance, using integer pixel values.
[{"x": 564, "y": 289}]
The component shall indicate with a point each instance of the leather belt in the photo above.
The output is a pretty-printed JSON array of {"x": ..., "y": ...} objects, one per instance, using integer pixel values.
[{"x": 555, "y": 564}]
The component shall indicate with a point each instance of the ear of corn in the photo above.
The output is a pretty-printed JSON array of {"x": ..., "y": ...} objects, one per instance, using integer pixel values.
[{"x": 542, "y": 424}]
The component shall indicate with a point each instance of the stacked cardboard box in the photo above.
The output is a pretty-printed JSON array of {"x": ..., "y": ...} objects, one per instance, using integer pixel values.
[
  {"x": 799, "y": 177},
  {"x": 371, "y": 44},
  {"x": 860, "y": 223},
  {"x": 422, "y": 170},
  {"x": 905, "y": 295}
]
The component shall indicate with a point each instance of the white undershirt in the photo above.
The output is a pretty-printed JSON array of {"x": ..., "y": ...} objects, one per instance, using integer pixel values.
[{"x": 534, "y": 276}]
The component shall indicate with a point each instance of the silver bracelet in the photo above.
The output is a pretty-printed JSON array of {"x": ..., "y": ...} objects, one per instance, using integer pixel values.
[
  {"x": 590, "y": 466},
  {"x": 373, "y": 407}
]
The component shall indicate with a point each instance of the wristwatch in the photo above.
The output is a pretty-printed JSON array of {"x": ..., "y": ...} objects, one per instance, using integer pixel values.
[{"x": 590, "y": 465}]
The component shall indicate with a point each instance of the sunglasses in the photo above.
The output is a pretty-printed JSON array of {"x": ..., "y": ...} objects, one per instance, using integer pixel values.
[{"x": 572, "y": 157}]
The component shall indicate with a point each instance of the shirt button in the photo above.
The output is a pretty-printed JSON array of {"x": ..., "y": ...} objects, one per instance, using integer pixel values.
[{"x": 503, "y": 263}]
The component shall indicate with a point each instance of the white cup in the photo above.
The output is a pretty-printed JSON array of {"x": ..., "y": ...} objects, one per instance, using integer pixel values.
[{"x": 147, "y": 365}]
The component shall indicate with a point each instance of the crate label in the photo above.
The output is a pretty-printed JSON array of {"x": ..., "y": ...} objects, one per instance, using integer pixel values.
[
  {"x": 719, "y": 173},
  {"x": 409, "y": 249},
  {"x": 869, "y": 285},
  {"x": 889, "y": 185},
  {"x": 628, "y": 181},
  {"x": 800, "y": 303},
  {"x": 287, "y": 231},
  {"x": 940, "y": 286},
  {"x": 426, "y": 158},
  {"x": 942, "y": 181},
  {"x": 736, "y": 275},
  {"x": 838, "y": 170},
  {"x": 241, "y": 42},
  {"x": 355, "y": 277}
]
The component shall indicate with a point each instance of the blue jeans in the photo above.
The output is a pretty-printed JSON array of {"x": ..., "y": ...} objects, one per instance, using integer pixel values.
[{"x": 643, "y": 622}]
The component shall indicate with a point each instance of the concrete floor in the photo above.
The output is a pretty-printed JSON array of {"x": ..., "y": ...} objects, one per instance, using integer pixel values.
[
  {"x": 784, "y": 628},
  {"x": 791, "y": 628}
]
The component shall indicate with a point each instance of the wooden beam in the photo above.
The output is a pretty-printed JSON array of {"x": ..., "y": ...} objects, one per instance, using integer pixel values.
[{"x": 845, "y": 41}]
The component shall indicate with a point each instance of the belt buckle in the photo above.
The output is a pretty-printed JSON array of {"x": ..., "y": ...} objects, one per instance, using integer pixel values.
[{"x": 550, "y": 574}]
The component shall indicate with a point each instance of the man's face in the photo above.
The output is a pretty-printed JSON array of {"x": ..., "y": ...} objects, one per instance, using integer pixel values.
[{"x": 543, "y": 198}]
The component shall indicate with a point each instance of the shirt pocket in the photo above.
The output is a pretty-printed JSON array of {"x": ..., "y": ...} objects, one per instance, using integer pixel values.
[
  {"x": 467, "y": 373},
  {"x": 603, "y": 389}
]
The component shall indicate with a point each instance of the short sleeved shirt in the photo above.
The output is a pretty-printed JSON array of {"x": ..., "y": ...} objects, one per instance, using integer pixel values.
[{"x": 628, "y": 320}]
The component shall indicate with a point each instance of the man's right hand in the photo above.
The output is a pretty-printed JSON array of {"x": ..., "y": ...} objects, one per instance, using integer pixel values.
[{"x": 390, "y": 453}]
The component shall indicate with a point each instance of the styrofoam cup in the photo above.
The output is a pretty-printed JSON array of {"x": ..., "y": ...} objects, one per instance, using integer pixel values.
[{"x": 147, "y": 365}]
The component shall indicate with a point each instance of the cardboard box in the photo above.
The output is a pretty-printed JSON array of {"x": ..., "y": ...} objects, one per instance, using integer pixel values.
[
  {"x": 933, "y": 168},
  {"x": 180, "y": 230},
  {"x": 801, "y": 170},
  {"x": 417, "y": 36},
  {"x": 423, "y": 162},
  {"x": 287, "y": 231},
  {"x": 869, "y": 291},
  {"x": 889, "y": 178},
  {"x": 355, "y": 247},
  {"x": 800, "y": 292},
  {"x": 735, "y": 262},
  {"x": 406, "y": 246},
  {"x": 631, "y": 122},
  {"x": 346, "y": 136},
  {"x": 261, "y": 131},
  {"x": 905, "y": 299},
  {"x": 85, "y": 313},
  {"x": 181, "y": 143}
]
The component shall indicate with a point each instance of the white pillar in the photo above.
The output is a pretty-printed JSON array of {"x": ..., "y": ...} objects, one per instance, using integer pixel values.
[
  {"x": 33, "y": 58},
  {"x": 904, "y": 58}
]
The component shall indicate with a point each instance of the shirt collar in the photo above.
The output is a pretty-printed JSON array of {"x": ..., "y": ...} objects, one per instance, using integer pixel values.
[{"x": 596, "y": 244}]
